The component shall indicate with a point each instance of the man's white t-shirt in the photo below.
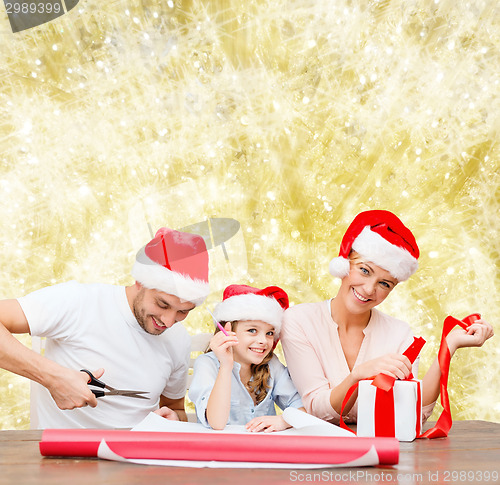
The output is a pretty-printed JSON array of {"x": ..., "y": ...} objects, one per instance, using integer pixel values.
[{"x": 89, "y": 326}]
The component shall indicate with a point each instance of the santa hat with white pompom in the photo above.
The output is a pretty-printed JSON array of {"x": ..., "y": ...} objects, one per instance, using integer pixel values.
[
  {"x": 176, "y": 263},
  {"x": 242, "y": 302},
  {"x": 380, "y": 237}
]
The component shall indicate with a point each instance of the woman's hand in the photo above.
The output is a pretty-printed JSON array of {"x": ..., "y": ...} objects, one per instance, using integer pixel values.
[
  {"x": 394, "y": 365},
  {"x": 267, "y": 424},
  {"x": 222, "y": 346},
  {"x": 475, "y": 336}
]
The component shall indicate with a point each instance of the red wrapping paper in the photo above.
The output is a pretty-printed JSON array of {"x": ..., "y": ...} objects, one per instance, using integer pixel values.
[{"x": 219, "y": 447}]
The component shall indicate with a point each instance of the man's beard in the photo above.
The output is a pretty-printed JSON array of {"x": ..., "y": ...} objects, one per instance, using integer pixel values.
[{"x": 139, "y": 315}]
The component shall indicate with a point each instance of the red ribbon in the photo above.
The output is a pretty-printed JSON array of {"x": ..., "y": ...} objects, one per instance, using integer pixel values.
[
  {"x": 384, "y": 398},
  {"x": 384, "y": 413},
  {"x": 443, "y": 424},
  {"x": 384, "y": 382},
  {"x": 348, "y": 394},
  {"x": 385, "y": 422},
  {"x": 418, "y": 428}
]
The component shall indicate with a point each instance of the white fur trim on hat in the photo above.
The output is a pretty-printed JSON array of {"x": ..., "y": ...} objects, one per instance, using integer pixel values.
[
  {"x": 250, "y": 307},
  {"x": 154, "y": 276},
  {"x": 398, "y": 261}
]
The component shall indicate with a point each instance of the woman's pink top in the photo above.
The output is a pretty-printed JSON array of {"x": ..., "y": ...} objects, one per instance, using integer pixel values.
[{"x": 317, "y": 363}]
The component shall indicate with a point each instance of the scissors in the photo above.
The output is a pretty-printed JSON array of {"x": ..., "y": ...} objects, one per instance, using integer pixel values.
[{"x": 111, "y": 391}]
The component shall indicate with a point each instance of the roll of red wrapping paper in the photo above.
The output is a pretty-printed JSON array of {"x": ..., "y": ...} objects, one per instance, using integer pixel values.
[{"x": 218, "y": 446}]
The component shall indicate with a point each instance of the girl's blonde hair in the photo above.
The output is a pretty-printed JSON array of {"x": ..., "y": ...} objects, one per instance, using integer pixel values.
[{"x": 259, "y": 373}]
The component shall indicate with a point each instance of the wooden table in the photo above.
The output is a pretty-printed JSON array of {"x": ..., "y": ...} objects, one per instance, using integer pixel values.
[{"x": 470, "y": 454}]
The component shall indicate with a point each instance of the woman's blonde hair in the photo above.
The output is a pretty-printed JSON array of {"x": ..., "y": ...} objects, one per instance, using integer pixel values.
[
  {"x": 259, "y": 373},
  {"x": 354, "y": 256}
]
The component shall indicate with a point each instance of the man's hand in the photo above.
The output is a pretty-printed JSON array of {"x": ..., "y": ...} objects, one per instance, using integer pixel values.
[
  {"x": 69, "y": 389},
  {"x": 167, "y": 413}
]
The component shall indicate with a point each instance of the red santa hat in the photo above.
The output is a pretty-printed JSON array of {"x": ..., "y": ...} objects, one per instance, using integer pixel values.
[
  {"x": 380, "y": 237},
  {"x": 176, "y": 263},
  {"x": 242, "y": 302}
]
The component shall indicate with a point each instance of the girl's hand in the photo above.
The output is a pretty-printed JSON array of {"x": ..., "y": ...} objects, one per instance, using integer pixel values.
[
  {"x": 475, "y": 336},
  {"x": 222, "y": 346},
  {"x": 267, "y": 424},
  {"x": 167, "y": 413},
  {"x": 394, "y": 365}
]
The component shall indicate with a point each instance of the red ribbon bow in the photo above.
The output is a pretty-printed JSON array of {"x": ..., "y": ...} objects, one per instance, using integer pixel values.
[{"x": 385, "y": 399}]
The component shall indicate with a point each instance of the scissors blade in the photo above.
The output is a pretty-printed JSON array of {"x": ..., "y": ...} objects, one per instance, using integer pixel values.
[{"x": 124, "y": 393}]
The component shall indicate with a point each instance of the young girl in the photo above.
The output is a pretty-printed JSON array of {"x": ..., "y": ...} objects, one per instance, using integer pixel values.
[
  {"x": 331, "y": 345},
  {"x": 240, "y": 380}
]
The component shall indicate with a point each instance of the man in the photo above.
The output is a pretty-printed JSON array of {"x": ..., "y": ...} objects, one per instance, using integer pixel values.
[{"x": 126, "y": 333}]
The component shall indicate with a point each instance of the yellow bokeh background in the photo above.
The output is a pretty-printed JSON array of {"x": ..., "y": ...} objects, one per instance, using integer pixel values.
[{"x": 289, "y": 116}]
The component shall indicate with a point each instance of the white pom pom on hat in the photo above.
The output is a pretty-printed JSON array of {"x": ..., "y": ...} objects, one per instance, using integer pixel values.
[
  {"x": 380, "y": 237},
  {"x": 242, "y": 302},
  {"x": 176, "y": 263}
]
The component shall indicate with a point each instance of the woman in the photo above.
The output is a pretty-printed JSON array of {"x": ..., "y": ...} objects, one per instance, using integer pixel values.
[{"x": 332, "y": 345}]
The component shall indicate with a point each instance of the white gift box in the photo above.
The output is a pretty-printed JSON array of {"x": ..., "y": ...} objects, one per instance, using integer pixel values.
[{"x": 407, "y": 409}]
